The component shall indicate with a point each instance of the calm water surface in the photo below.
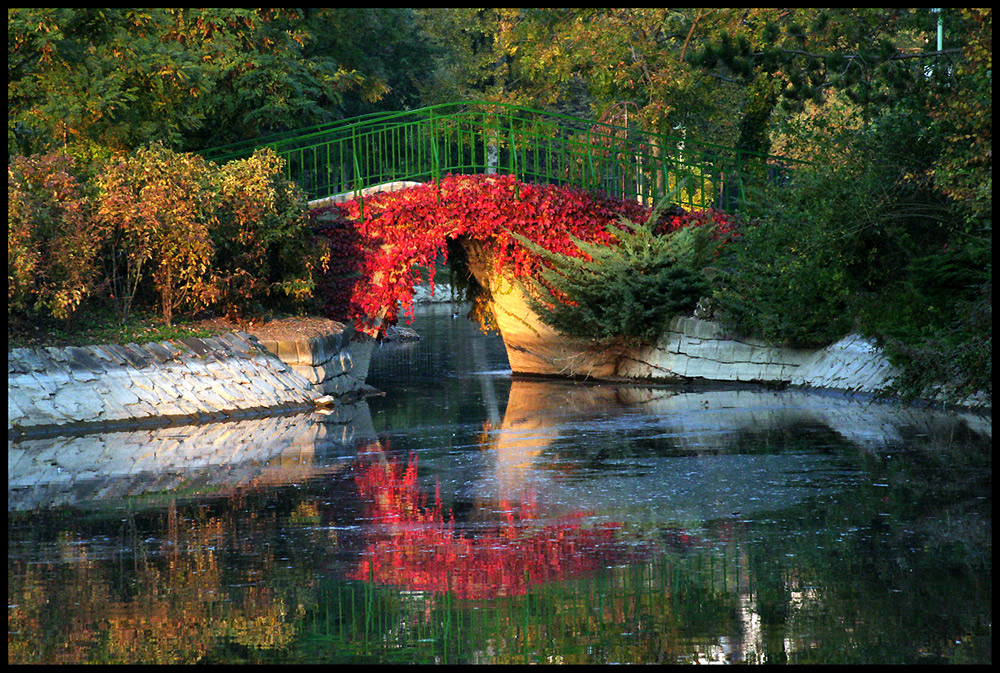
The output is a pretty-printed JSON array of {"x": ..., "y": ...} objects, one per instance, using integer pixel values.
[{"x": 471, "y": 517}]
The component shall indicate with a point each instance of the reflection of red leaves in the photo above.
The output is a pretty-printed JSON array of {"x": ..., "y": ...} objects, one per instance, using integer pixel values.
[{"x": 415, "y": 547}]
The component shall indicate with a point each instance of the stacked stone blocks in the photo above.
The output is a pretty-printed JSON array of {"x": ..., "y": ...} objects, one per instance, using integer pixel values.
[
  {"x": 701, "y": 349},
  {"x": 328, "y": 362},
  {"x": 183, "y": 380}
]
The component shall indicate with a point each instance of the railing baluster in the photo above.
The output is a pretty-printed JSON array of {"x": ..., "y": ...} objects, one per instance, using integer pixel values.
[{"x": 540, "y": 146}]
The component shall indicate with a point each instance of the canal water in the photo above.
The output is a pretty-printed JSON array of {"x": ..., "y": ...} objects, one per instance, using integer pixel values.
[{"x": 468, "y": 516}]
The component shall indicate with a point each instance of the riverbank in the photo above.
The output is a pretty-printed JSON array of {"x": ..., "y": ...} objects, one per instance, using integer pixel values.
[
  {"x": 690, "y": 349},
  {"x": 232, "y": 375},
  {"x": 293, "y": 365}
]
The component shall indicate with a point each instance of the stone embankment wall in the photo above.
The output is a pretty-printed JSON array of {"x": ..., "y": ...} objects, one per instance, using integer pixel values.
[
  {"x": 695, "y": 348},
  {"x": 336, "y": 364},
  {"x": 187, "y": 380}
]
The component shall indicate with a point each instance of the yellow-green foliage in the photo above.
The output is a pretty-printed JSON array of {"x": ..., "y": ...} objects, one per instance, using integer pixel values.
[
  {"x": 52, "y": 242},
  {"x": 156, "y": 223},
  {"x": 263, "y": 247},
  {"x": 160, "y": 206}
]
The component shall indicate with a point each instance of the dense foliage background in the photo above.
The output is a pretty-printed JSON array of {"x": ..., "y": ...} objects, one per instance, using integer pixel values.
[{"x": 888, "y": 231}]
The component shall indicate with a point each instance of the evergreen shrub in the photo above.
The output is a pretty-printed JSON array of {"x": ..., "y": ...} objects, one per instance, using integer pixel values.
[{"x": 628, "y": 290}]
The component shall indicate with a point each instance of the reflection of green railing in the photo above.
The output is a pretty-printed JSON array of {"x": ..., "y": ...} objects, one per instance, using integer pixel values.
[
  {"x": 475, "y": 137},
  {"x": 624, "y": 613}
]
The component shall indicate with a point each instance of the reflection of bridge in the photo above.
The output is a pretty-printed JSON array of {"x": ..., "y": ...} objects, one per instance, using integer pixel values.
[{"x": 476, "y": 137}]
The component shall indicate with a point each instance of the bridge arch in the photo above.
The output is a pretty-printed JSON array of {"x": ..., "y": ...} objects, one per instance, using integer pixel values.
[
  {"x": 389, "y": 190},
  {"x": 376, "y": 245}
]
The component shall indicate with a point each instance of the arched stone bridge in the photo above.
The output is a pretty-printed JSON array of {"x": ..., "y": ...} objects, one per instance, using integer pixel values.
[{"x": 392, "y": 151}]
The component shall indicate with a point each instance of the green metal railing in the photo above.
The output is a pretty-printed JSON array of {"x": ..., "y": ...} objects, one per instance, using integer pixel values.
[{"x": 534, "y": 146}]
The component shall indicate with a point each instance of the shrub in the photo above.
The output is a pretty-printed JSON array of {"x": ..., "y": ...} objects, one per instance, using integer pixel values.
[
  {"x": 159, "y": 207},
  {"x": 263, "y": 246},
  {"x": 870, "y": 244},
  {"x": 627, "y": 290},
  {"x": 935, "y": 322},
  {"x": 52, "y": 238},
  {"x": 785, "y": 288},
  {"x": 795, "y": 275}
]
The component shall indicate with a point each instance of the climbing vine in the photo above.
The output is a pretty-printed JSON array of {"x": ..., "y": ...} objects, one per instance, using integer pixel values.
[{"x": 376, "y": 246}]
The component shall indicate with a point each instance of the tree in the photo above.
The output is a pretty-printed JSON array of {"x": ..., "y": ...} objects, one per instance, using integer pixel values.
[
  {"x": 964, "y": 109},
  {"x": 466, "y": 61},
  {"x": 120, "y": 78},
  {"x": 617, "y": 55},
  {"x": 389, "y": 46},
  {"x": 891, "y": 233}
]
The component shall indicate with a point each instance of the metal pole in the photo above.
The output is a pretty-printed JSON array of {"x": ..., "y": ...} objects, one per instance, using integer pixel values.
[{"x": 940, "y": 31}]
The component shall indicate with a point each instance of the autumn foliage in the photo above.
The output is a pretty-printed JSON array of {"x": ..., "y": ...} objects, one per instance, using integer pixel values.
[
  {"x": 52, "y": 243},
  {"x": 377, "y": 243},
  {"x": 159, "y": 228}
]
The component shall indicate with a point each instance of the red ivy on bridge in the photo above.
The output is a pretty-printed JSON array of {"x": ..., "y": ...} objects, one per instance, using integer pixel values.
[{"x": 375, "y": 246}]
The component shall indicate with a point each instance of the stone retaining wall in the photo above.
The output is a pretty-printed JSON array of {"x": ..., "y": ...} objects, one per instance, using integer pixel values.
[
  {"x": 695, "y": 348},
  {"x": 335, "y": 364},
  {"x": 156, "y": 383}
]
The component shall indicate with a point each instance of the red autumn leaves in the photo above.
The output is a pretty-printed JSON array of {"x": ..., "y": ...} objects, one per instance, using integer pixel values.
[{"x": 376, "y": 244}]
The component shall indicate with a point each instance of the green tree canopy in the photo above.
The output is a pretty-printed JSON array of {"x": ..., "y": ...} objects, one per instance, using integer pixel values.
[{"x": 119, "y": 78}]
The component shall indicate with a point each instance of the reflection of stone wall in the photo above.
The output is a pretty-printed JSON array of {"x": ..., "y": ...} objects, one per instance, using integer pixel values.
[
  {"x": 704, "y": 473},
  {"x": 66, "y": 469},
  {"x": 183, "y": 380}
]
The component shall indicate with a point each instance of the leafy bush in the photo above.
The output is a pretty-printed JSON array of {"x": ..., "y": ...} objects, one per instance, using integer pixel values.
[
  {"x": 159, "y": 206},
  {"x": 52, "y": 239},
  {"x": 263, "y": 246},
  {"x": 820, "y": 245},
  {"x": 156, "y": 226},
  {"x": 935, "y": 322},
  {"x": 787, "y": 280}
]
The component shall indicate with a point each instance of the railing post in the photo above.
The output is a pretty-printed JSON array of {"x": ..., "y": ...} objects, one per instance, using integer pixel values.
[
  {"x": 513, "y": 153},
  {"x": 435, "y": 160},
  {"x": 357, "y": 173},
  {"x": 492, "y": 154}
]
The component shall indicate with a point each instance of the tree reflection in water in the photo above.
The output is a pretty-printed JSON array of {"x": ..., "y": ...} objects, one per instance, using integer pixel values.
[
  {"x": 347, "y": 556},
  {"x": 415, "y": 546}
]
